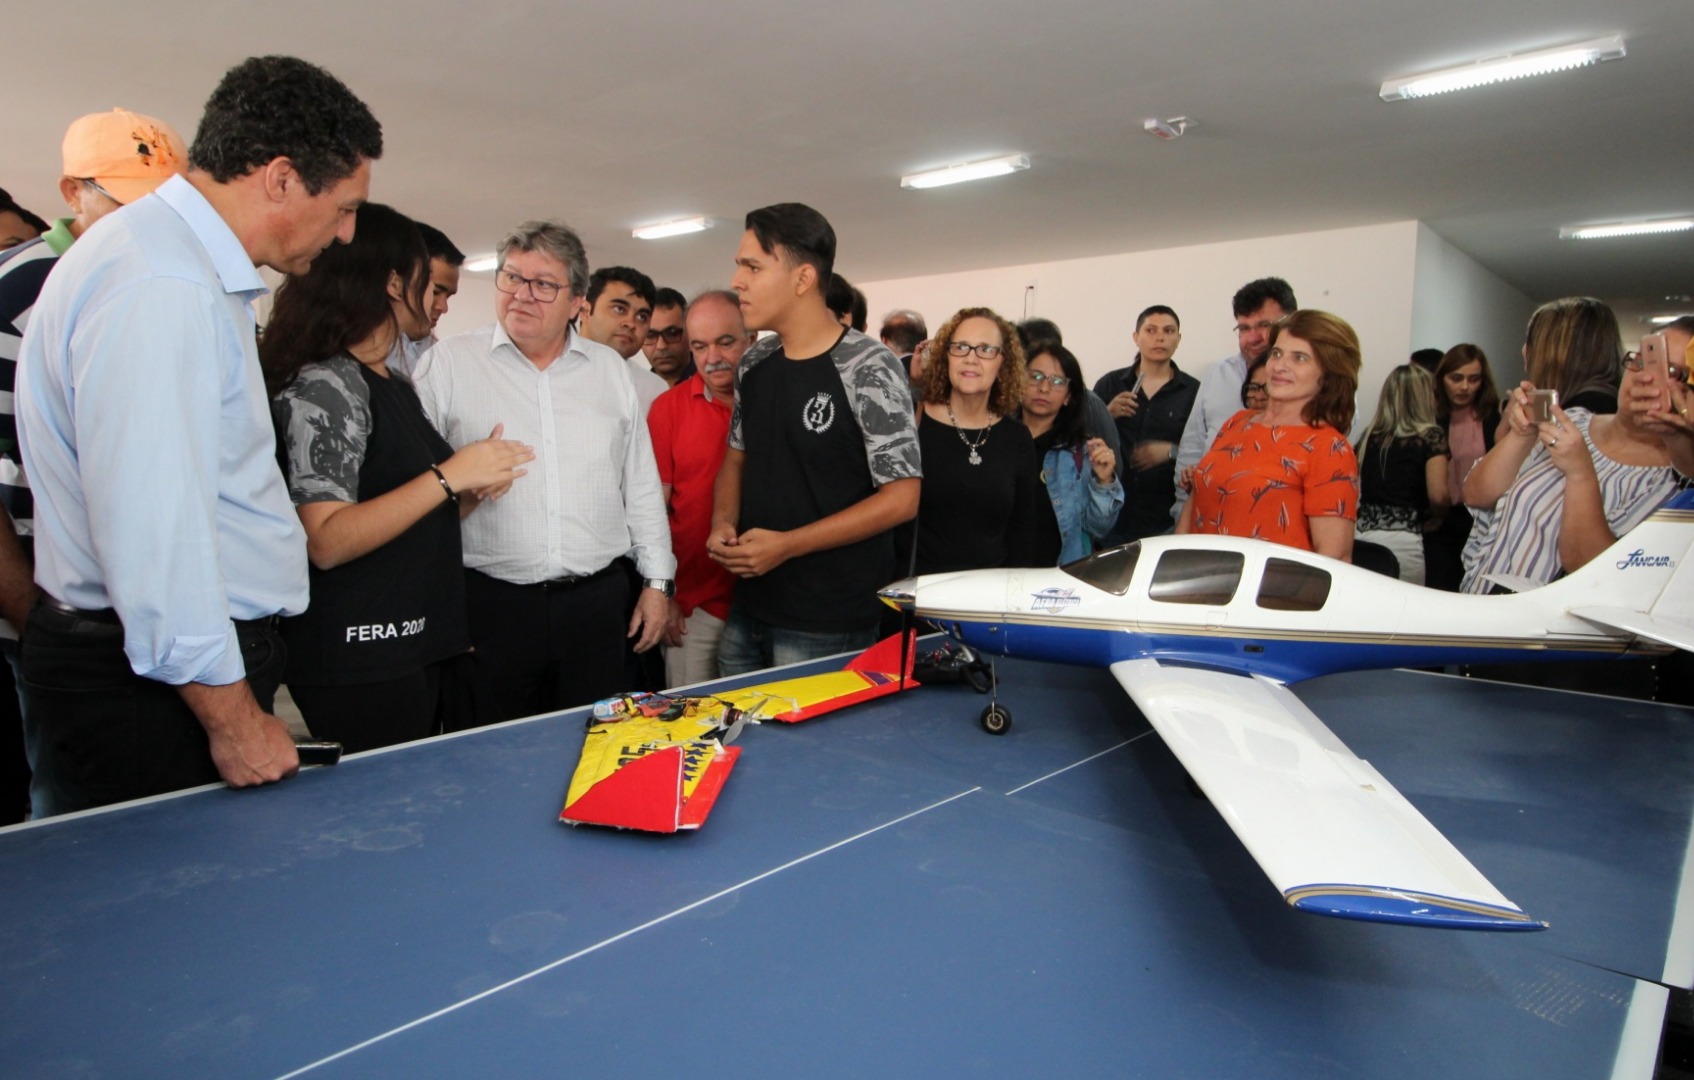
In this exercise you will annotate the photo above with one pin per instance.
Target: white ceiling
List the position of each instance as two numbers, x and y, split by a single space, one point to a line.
611 115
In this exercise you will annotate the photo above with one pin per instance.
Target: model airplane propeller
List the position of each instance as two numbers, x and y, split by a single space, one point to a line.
1204 633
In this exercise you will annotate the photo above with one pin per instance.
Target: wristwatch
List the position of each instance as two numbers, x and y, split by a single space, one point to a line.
664 585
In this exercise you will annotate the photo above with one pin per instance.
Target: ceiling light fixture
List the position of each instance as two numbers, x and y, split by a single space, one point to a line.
1625 228
478 263
1504 68
1662 320
968 170
1174 128
679 227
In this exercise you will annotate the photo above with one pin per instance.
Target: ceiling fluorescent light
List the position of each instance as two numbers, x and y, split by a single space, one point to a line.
969 170
680 227
1504 68
1664 320
1625 228
478 263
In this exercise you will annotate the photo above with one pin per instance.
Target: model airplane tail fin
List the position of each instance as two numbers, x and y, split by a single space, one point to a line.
1644 583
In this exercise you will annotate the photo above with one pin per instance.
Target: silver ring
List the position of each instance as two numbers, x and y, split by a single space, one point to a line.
1554 441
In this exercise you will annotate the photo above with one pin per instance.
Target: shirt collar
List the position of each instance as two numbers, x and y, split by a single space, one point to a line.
59 237
573 344
234 266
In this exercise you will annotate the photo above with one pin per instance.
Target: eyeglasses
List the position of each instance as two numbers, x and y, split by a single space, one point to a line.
1248 328
1057 382
1635 362
1253 388
544 291
95 184
672 334
965 348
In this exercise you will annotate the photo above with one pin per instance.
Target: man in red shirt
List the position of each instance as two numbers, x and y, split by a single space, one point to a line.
689 424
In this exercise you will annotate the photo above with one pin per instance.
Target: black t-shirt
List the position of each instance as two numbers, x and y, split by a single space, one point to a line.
1393 485
1149 494
820 435
991 514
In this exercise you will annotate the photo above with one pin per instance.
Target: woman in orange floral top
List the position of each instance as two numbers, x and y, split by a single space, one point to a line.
1287 473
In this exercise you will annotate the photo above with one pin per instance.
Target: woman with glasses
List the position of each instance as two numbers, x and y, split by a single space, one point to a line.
1253 394
1287 473
1402 469
1552 495
1467 406
1080 473
379 492
982 504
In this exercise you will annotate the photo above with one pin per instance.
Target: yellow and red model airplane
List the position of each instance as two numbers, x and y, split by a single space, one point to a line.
656 762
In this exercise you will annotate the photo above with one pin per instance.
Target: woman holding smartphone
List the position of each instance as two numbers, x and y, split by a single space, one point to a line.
1552 495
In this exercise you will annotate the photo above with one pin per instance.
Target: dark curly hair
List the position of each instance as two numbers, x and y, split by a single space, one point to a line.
268 107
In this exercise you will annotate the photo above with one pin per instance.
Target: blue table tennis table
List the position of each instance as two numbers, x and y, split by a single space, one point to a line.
887 891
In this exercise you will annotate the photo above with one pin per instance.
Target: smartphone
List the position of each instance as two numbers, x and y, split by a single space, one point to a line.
318 752
1541 405
1655 358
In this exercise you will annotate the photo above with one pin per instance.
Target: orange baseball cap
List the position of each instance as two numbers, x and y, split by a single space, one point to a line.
126 153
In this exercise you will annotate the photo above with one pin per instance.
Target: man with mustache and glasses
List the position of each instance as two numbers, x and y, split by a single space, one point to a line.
690 427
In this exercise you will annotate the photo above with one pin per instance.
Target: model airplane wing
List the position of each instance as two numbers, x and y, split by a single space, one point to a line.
1332 834
658 770
872 674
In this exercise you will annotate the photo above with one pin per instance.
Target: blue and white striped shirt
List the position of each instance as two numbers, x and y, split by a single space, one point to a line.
1520 535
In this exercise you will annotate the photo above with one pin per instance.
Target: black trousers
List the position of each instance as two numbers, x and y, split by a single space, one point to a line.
98 733
541 648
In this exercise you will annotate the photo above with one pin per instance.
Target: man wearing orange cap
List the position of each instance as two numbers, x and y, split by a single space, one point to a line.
166 545
110 159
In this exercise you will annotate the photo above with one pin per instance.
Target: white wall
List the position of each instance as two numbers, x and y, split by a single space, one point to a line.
1454 299
471 308
1365 275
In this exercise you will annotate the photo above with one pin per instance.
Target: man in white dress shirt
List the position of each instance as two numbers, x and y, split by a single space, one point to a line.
546 592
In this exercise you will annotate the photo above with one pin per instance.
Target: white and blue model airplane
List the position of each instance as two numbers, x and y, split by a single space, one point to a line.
1205 633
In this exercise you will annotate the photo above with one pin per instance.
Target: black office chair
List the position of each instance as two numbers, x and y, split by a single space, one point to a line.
1376 558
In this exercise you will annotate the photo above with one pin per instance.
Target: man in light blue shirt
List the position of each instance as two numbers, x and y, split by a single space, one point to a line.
166 544
1257 306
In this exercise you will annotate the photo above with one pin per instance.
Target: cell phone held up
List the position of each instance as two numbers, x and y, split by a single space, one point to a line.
1655 360
1541 406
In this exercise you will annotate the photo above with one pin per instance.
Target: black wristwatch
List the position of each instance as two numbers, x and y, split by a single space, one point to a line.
664 585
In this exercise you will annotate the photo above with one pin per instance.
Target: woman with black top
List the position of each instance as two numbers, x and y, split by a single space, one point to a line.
982 504
379 492
1402 469
1467 407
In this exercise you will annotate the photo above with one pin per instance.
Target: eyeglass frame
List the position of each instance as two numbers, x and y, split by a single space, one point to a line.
965 348
535 294
672 334
1057 382
1634 361
95 184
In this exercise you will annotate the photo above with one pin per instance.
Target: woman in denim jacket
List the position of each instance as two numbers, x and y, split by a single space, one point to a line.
1080 472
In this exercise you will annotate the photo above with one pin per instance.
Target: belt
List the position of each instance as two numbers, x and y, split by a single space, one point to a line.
571 581
110 617
101 615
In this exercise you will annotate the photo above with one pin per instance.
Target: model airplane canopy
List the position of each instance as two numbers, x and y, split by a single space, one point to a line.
1203 631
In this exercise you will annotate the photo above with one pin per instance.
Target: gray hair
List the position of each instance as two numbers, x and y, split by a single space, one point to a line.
553 238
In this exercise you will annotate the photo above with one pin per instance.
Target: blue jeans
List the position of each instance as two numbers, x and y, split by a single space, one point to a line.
749 644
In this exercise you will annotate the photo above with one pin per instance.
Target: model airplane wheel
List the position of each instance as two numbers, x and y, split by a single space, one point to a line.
996 719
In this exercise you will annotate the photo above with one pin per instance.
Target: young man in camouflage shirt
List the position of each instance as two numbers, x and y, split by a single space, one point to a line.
822 460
